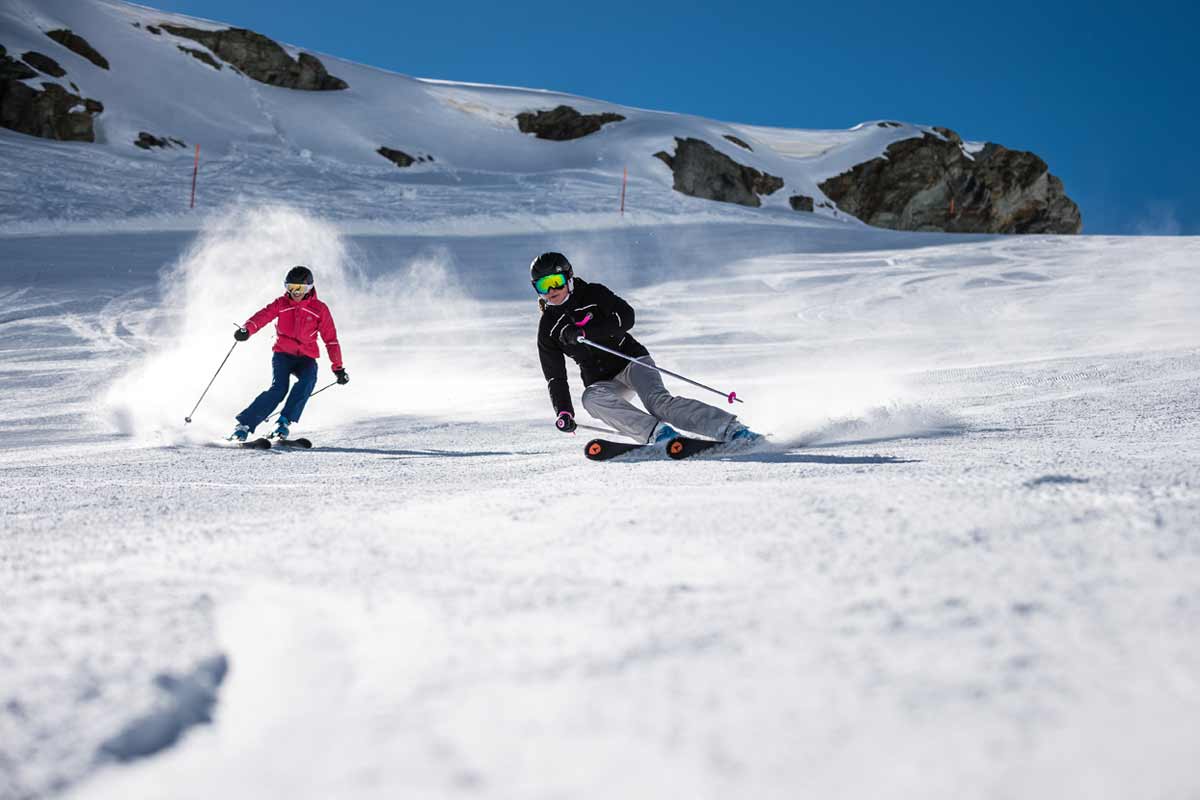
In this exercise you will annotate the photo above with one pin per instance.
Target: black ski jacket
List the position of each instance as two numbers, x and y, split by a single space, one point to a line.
611 320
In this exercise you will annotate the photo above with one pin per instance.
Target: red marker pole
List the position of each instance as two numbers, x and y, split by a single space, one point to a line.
195 170
624 178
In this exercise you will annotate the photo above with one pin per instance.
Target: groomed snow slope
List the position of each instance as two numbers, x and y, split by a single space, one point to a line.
967 568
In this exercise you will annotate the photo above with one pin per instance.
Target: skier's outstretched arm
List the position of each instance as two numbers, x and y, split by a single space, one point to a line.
554 368
261 318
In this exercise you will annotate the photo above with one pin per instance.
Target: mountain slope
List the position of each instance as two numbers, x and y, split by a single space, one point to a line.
256 139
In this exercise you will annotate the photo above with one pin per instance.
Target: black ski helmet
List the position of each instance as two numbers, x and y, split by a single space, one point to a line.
551 264
299 274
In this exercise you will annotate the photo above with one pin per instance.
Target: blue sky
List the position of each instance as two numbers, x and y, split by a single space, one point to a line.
1106 93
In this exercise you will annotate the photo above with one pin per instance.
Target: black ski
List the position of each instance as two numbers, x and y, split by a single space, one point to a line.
604 449
302 443
683 446
256 444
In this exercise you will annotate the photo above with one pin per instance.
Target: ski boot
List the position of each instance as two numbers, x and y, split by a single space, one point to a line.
281 428
662 434
240 433
743 436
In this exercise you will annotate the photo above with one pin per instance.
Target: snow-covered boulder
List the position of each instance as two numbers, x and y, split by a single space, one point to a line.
262 59
563 123
703 171
79 46
44 63
933 183
50 112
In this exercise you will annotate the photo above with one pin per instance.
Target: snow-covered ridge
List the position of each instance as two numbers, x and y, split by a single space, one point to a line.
261 136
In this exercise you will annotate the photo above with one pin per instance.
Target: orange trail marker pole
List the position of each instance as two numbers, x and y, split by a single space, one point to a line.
195 170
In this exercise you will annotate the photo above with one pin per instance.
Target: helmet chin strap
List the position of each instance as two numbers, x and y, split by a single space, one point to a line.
570 291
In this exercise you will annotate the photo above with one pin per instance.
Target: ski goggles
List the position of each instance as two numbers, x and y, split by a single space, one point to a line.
298 287
547 282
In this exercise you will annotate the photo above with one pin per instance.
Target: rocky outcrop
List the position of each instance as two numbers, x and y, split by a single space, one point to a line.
44 64
397 157
262 59
147 140
702 171
563 123
739 142
800 202
402 159
79 46
200 55
13 70
50 113
930 183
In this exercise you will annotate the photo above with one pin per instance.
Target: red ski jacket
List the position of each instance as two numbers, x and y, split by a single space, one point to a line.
298 323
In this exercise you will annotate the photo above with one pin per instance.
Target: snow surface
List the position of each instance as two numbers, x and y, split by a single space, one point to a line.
967 566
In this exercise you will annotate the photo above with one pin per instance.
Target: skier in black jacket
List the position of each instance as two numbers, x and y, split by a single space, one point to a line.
572 307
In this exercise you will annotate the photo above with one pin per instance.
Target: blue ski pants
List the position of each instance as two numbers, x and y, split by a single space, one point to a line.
283 367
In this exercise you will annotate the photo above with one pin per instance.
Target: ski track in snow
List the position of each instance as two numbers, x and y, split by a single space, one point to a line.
977 575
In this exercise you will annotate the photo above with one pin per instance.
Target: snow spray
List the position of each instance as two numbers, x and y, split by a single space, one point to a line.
407 332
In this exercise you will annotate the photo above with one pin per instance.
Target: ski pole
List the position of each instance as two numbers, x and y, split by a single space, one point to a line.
730 396
188 418
310 397
597 429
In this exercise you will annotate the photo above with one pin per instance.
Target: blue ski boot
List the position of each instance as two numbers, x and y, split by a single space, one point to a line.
281 428
743 436
662 434
240 433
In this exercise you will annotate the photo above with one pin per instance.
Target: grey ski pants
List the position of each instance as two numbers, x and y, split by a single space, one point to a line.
609 401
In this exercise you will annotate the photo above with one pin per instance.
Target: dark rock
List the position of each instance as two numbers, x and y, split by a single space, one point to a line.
563 123
396 157
44 64
13 70
930 184
702 171
889 124
200 55
262 59
154 30
739 142
79 46
800 202
147 140
50 113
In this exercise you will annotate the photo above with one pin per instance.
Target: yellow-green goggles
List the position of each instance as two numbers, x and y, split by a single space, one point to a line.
298 287
547 282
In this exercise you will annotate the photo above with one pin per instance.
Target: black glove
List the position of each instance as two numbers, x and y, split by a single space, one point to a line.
569 333
602 328
342 376
565 422
241 334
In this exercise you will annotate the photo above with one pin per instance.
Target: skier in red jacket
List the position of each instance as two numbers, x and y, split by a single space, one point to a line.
300 317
